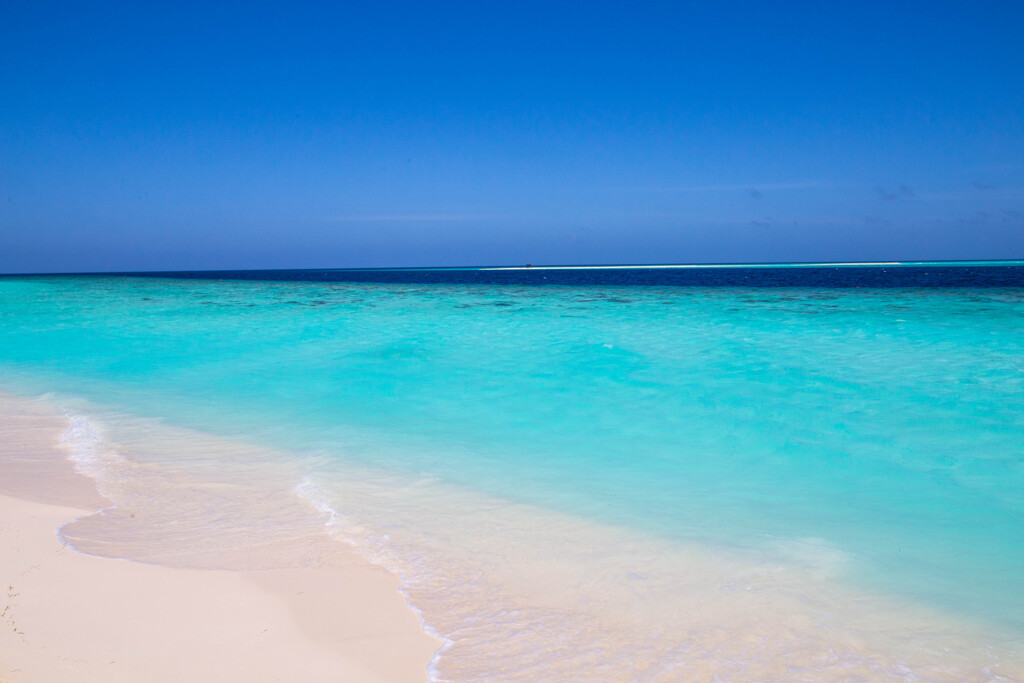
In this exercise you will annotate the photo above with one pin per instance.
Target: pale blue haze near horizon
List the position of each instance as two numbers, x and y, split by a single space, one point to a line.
339 135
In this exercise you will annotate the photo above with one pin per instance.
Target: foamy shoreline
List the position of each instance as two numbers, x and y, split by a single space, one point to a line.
348 572
330 615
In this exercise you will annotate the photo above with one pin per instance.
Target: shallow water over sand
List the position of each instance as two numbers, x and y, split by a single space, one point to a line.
641 482
515 591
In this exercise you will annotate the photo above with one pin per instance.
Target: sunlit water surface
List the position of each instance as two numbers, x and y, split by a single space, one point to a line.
633 483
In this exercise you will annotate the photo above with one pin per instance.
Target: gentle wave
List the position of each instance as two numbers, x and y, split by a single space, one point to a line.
516 592
91 455
520 593
374 548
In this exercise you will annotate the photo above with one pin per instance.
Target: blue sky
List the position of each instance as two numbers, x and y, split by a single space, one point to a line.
284 135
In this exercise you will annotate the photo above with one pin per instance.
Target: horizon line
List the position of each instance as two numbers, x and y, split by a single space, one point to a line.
614 266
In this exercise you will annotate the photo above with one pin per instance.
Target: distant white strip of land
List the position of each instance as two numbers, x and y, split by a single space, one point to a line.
702 265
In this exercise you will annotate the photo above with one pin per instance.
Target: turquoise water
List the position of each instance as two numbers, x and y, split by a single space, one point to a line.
886 426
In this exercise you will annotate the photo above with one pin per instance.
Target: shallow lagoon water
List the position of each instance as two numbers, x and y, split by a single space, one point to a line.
858 450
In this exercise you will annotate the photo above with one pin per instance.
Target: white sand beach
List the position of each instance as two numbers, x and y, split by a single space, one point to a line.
67 616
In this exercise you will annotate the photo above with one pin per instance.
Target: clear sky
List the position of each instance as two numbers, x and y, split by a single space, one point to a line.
255 135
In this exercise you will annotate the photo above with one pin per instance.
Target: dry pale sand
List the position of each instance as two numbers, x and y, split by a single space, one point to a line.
66 616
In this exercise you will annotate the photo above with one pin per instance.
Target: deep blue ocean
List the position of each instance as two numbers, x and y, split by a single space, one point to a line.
931 274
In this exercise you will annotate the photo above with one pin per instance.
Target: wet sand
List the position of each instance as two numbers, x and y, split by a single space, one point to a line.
67 616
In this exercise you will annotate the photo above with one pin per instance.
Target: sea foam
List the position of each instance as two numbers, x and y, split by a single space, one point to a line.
91 455
374 548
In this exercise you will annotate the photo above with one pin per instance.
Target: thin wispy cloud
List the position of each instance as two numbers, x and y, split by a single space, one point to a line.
410 218
901 192
749 188
998 168
990 193
977 218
